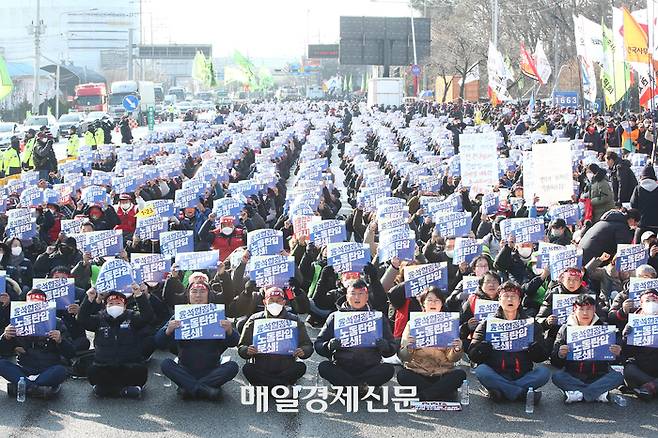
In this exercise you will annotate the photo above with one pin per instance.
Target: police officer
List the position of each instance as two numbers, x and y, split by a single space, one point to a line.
26 158
74 142
90 138
11 160
99 134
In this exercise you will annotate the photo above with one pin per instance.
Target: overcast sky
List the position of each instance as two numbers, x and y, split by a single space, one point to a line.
258 28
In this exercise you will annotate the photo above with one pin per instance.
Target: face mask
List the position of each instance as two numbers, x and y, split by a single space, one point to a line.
525 252
65 250
556 233
650 308
450 253
114 311
274 309
125 205
16 250
590 176
537 271
227 231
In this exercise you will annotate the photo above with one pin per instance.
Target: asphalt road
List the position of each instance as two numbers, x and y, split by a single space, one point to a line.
78 413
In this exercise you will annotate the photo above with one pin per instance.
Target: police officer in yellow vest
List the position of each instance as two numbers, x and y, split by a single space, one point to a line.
26 157
11 160
99 134
90 138
74 142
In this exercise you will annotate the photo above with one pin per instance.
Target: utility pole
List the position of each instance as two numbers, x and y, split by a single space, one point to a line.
36 29
130 54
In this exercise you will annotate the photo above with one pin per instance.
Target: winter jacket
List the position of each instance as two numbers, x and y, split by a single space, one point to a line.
40 352
200 356
646 358
584 370
600 193
509 364
645 199
605 235
427 361
355 359
127 220
273 363
623 181
117 340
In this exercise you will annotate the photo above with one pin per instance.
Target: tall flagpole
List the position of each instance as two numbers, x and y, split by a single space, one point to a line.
652 72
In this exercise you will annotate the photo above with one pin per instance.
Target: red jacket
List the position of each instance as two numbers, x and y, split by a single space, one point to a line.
53 232
128 220
227 244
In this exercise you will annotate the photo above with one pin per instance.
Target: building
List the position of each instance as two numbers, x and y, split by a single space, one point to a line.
85 33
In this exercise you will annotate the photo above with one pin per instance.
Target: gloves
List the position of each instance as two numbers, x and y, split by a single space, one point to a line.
292 281
370 270
333 344
382 345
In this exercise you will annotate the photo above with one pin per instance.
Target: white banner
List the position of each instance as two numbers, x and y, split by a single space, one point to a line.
547 173
478 160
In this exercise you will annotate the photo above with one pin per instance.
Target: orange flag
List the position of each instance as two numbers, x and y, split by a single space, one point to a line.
636 43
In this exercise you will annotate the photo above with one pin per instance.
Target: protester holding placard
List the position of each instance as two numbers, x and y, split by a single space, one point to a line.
63 253
515 259
267 369
509 374
623 304
198 371
479 266
39 356
357 365
118 368
431 369
487 295
14 262
126 213
228 237
608 278
584 379
641 347
200 222
570 282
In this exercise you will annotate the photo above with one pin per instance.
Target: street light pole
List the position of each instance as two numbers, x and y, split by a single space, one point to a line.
36 28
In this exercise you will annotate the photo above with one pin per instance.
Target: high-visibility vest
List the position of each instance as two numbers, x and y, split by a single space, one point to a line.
72 148
100 136
90 140
26 156
10 159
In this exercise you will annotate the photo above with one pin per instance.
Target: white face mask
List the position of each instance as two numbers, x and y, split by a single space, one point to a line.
125 205
650 308
525 252
274 309
114 311
590 176
537 271
227 231
450 253
16 250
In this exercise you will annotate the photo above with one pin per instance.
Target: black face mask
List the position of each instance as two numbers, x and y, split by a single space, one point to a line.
66 250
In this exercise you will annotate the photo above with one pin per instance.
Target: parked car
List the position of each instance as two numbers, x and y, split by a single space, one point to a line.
68 120
7 131
36 122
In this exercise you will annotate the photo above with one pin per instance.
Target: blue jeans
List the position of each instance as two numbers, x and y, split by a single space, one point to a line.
591 391
51 376
512 389
185 380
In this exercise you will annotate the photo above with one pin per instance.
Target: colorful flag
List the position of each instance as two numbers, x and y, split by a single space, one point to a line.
498 76
527 63
6 85
636 43
614 73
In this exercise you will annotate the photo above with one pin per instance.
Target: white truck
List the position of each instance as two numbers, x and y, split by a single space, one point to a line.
385 91
144 90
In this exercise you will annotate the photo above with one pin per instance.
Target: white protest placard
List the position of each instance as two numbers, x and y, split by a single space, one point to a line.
547 173
478 160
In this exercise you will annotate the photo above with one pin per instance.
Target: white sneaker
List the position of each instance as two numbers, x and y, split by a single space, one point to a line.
603 398
573 396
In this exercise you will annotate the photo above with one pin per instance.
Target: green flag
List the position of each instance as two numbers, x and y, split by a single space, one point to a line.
6 85
615 78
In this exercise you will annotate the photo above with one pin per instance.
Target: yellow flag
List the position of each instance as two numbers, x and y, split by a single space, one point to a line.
146 212
636 43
